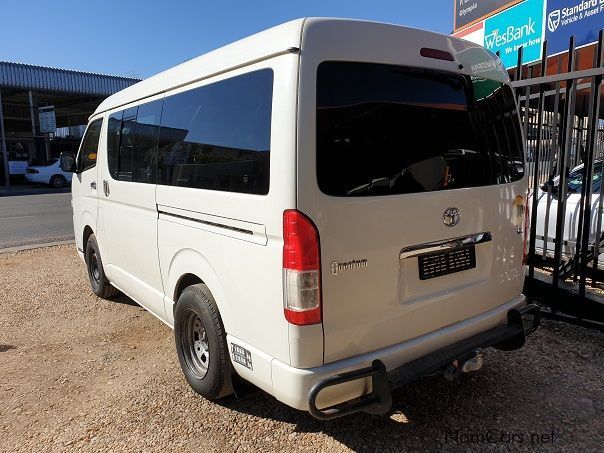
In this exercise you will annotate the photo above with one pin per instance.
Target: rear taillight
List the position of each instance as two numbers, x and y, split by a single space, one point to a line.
301 269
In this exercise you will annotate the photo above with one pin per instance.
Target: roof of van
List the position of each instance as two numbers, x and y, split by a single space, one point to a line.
278 40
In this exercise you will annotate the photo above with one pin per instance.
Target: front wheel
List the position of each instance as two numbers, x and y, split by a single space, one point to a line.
96 274
201 343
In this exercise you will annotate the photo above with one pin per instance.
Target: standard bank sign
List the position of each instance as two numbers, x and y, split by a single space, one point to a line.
519 26
582 18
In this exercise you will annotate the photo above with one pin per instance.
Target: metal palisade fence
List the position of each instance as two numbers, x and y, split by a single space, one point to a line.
562 116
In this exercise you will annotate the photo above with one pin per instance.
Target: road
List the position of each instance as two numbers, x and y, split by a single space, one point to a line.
35 219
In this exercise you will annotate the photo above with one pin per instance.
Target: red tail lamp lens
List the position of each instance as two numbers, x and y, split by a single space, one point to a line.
301 269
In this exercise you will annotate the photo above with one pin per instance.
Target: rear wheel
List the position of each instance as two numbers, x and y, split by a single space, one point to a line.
99 283
58 181
201 343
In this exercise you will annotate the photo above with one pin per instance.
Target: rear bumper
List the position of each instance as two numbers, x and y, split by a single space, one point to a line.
293 386
506 337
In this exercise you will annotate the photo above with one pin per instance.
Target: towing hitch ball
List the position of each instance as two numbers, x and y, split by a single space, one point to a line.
471 362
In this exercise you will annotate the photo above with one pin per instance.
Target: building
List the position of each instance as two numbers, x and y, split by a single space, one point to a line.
548 46
504 26
43 111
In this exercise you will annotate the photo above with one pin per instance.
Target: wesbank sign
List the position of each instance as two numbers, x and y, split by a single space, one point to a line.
521 25
496 39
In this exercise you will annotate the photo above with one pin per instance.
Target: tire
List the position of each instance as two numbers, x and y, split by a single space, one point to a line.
96 274
201 343
57 181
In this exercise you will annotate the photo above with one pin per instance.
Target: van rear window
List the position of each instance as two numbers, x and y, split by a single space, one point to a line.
384 130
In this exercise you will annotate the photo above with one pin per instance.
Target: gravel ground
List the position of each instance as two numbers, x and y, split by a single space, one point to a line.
82 373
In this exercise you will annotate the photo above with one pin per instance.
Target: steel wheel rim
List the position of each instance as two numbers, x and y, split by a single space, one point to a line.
195 346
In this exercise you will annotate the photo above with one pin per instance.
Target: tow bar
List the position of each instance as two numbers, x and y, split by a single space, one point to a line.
471 362
467 354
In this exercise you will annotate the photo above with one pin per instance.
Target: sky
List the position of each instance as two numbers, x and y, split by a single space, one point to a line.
142 38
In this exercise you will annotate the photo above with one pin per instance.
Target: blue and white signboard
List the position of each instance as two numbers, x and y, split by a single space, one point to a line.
582 18
521 25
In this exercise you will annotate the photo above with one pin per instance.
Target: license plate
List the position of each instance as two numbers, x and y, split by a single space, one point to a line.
442 263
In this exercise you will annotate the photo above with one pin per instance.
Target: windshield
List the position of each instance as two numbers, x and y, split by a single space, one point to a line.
384 129
575 179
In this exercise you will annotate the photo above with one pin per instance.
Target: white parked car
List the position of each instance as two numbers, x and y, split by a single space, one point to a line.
548 217
328 209
51 174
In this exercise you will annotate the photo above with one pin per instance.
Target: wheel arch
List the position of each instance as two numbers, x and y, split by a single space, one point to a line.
189 267
85 235
184 282
89 227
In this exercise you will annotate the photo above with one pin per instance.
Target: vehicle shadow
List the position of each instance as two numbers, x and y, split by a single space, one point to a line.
425 415
124 300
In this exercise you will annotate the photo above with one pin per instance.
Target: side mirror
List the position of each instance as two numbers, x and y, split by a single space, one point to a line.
67 162
551 187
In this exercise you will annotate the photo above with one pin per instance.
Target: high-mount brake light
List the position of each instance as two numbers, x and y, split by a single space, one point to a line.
301 269
436 54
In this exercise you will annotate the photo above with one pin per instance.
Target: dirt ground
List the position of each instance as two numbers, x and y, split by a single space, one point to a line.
82 373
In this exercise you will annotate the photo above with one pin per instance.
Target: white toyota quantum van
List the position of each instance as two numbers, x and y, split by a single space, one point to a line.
328 209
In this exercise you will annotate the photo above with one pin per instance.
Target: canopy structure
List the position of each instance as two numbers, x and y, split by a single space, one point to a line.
44 110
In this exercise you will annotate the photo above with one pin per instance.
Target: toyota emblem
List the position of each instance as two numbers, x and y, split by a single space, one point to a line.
451 217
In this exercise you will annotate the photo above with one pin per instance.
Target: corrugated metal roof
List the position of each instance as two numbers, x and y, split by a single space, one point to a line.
20 75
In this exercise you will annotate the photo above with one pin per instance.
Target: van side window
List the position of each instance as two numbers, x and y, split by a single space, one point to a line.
217 136
90 146
124 170
132 143
146 136
114 129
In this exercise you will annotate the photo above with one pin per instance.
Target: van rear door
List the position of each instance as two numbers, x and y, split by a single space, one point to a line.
417 177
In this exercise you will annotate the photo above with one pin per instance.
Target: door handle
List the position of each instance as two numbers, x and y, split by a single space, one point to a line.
106 188
93 185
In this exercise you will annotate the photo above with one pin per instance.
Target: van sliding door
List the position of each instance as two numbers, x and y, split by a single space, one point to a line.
127 203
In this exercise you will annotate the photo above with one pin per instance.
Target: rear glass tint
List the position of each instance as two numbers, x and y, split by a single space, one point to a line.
384 130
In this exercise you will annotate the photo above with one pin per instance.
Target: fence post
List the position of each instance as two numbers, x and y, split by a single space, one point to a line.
536 163
592 133
563 163
587 176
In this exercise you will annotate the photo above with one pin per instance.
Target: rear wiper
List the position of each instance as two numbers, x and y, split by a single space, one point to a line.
377 182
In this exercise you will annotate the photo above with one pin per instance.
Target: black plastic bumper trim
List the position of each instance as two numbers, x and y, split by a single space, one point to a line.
504 337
